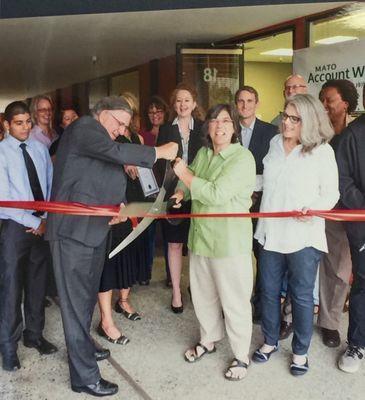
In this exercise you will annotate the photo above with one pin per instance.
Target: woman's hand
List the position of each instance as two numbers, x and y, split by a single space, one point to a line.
178 196
131 171
182 172
180 167
304 218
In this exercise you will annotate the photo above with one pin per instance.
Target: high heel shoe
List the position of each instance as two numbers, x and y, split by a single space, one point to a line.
177 310
120 340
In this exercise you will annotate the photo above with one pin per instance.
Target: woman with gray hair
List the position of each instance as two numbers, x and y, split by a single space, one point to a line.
300 173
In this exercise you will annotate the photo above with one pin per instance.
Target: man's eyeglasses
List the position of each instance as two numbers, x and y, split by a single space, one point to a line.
225 122
121 125
292 118
294 87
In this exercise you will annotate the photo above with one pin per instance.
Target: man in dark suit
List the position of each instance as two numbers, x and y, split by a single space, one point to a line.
350 157
255 136
89 170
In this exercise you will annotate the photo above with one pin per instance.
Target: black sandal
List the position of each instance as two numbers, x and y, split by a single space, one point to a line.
195 357
120 310
120 340
236 363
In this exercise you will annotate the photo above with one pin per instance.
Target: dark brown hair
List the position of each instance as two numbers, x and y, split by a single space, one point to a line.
213 113
249 89
347 91
160 104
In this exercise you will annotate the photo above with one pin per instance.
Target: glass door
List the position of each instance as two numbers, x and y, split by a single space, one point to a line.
216 72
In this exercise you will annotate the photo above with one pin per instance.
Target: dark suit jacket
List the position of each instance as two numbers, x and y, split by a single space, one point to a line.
170 133
89 170
262 133
350 155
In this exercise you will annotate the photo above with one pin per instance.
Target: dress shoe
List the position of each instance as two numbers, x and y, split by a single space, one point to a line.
10 361
101 354
41 344
286 328
99 389
177 310
120 340
330 337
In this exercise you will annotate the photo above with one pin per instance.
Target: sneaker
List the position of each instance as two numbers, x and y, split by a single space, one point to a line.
350 360
299 369
261 357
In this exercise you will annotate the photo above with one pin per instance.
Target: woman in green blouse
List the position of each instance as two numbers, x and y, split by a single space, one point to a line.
221 179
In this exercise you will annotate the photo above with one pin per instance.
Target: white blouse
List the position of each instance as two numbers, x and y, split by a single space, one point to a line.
291 182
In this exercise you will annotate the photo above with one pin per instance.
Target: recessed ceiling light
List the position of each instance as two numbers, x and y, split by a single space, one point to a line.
278 52
336 39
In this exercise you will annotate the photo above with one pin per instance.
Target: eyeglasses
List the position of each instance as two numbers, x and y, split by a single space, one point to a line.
294 87
152 113
292 118
44 110
121 125
225 122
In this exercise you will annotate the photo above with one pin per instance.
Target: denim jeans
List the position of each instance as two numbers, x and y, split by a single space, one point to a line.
301 268
356 331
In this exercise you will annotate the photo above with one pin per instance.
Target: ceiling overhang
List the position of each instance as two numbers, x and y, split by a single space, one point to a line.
36 8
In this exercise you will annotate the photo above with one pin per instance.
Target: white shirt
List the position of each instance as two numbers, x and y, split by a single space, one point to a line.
184 142
246 134
292 182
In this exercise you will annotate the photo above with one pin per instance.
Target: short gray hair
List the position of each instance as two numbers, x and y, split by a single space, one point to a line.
316 126
111 103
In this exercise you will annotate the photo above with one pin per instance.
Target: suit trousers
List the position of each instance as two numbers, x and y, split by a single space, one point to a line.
334 276
78 270
23 267
223 283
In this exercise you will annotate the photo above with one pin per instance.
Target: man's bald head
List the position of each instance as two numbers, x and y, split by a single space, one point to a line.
294 84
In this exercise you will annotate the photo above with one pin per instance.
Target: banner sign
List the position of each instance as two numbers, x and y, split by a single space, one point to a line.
336 61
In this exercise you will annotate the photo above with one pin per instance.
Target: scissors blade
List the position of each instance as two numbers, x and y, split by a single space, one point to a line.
158 207
136 210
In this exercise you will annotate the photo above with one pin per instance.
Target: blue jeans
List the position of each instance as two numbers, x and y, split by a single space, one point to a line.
301 268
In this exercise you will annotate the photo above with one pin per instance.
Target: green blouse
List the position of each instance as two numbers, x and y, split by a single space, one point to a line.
222 183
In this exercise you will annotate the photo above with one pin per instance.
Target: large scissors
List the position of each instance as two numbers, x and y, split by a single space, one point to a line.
158 207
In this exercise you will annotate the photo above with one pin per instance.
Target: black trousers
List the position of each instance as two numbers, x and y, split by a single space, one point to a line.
256 248
78 270
23 267
356 331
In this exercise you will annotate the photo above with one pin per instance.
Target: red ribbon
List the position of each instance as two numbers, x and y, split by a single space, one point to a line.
111 211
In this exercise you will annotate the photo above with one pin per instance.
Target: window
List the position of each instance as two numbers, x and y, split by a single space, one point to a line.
267 63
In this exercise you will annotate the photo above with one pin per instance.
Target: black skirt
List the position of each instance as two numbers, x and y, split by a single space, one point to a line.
128 266
178 233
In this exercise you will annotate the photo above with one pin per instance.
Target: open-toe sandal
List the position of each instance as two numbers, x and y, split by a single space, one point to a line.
236 363
193 355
